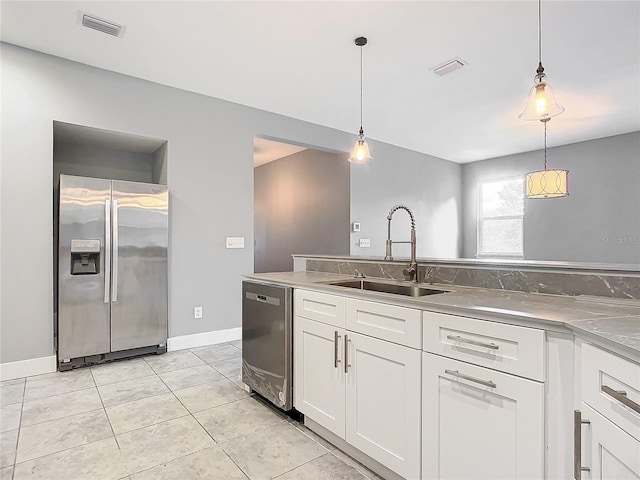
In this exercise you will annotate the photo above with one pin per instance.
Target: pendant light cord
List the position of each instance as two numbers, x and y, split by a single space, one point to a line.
539 31
361 67
545 145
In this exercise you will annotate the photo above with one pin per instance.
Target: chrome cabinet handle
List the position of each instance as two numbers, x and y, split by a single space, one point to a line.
621 396
114 275
335 349
486 383
107 248
577 445
346 354
460 339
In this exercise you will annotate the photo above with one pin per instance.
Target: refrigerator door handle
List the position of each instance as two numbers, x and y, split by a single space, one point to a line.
114 272
107 248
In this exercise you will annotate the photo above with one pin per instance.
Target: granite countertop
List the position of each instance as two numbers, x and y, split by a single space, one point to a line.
612 323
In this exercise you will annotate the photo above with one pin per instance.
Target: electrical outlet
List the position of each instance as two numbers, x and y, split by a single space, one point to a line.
197 312
365 242
235 242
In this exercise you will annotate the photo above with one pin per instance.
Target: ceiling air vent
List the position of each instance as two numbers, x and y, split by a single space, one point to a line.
448 67
101 25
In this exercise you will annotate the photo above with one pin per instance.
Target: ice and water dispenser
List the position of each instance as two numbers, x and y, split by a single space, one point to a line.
85 257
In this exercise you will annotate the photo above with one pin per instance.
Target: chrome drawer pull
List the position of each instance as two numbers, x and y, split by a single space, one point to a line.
621 397
460 339
486 383
335 349
577 445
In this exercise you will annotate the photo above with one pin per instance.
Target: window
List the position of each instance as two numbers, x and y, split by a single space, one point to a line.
500 211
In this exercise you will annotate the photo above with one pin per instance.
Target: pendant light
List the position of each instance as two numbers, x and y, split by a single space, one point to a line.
360 153
541 103
547 183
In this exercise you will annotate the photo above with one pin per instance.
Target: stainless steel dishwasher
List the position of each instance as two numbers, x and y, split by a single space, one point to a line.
267 344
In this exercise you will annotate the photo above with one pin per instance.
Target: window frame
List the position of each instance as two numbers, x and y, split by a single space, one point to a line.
480 219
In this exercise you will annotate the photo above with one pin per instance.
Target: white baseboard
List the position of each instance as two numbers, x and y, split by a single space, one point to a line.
27 368
202 339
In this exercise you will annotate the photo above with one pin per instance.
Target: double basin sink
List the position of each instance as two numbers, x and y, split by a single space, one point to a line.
406 290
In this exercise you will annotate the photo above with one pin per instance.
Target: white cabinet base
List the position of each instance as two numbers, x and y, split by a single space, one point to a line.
364 459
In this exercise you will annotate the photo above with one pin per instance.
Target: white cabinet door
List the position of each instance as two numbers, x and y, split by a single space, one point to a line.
610 453
383 402
480 424
319 386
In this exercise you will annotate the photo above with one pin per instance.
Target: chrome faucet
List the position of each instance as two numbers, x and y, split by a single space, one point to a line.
412 271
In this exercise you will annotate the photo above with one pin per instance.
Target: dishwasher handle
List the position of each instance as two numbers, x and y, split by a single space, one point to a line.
258 297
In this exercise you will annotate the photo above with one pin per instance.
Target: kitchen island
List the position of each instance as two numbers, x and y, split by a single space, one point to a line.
406 384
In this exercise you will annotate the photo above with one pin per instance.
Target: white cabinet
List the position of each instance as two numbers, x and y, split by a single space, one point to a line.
478 423
608 452
319 378
363 389
383 402
607 422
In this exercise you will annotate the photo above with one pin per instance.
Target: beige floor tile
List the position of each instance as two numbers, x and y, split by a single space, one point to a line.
57 435
57 383
236 419
173 361
100 460
355 464
6 473
207 464
11 394
327 467
10 417
272 451
8 441
121 371
217 353
209 395
142 413
230 367
188 377
39 410
124 392
150 446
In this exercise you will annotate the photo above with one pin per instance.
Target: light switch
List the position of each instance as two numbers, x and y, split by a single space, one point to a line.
235 242
365 242
355 226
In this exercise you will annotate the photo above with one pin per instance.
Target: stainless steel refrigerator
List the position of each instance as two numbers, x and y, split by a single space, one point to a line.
112 270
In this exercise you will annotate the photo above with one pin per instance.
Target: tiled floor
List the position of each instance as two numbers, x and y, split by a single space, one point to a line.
181 415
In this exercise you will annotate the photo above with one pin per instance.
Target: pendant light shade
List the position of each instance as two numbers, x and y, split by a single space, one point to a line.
541 103
360 153
547 183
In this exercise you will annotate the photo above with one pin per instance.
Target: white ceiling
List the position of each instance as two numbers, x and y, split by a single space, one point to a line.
298 59
265 151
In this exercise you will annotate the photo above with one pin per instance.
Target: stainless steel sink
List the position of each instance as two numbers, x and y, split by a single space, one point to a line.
407 290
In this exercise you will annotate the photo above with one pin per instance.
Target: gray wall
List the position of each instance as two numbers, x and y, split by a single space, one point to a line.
209 172
99 162
429 186
301 204
600 219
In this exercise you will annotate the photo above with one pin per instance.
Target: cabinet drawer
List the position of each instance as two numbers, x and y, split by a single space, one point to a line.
388 322
321 307
507 348
604 376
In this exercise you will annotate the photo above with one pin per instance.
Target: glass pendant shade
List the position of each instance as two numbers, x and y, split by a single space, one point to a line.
547 184
360 153
541 103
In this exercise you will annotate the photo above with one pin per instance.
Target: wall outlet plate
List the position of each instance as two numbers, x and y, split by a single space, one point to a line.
197 312
235 242
365 242
355 226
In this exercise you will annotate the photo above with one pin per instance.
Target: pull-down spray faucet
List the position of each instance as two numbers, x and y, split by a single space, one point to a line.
412 271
